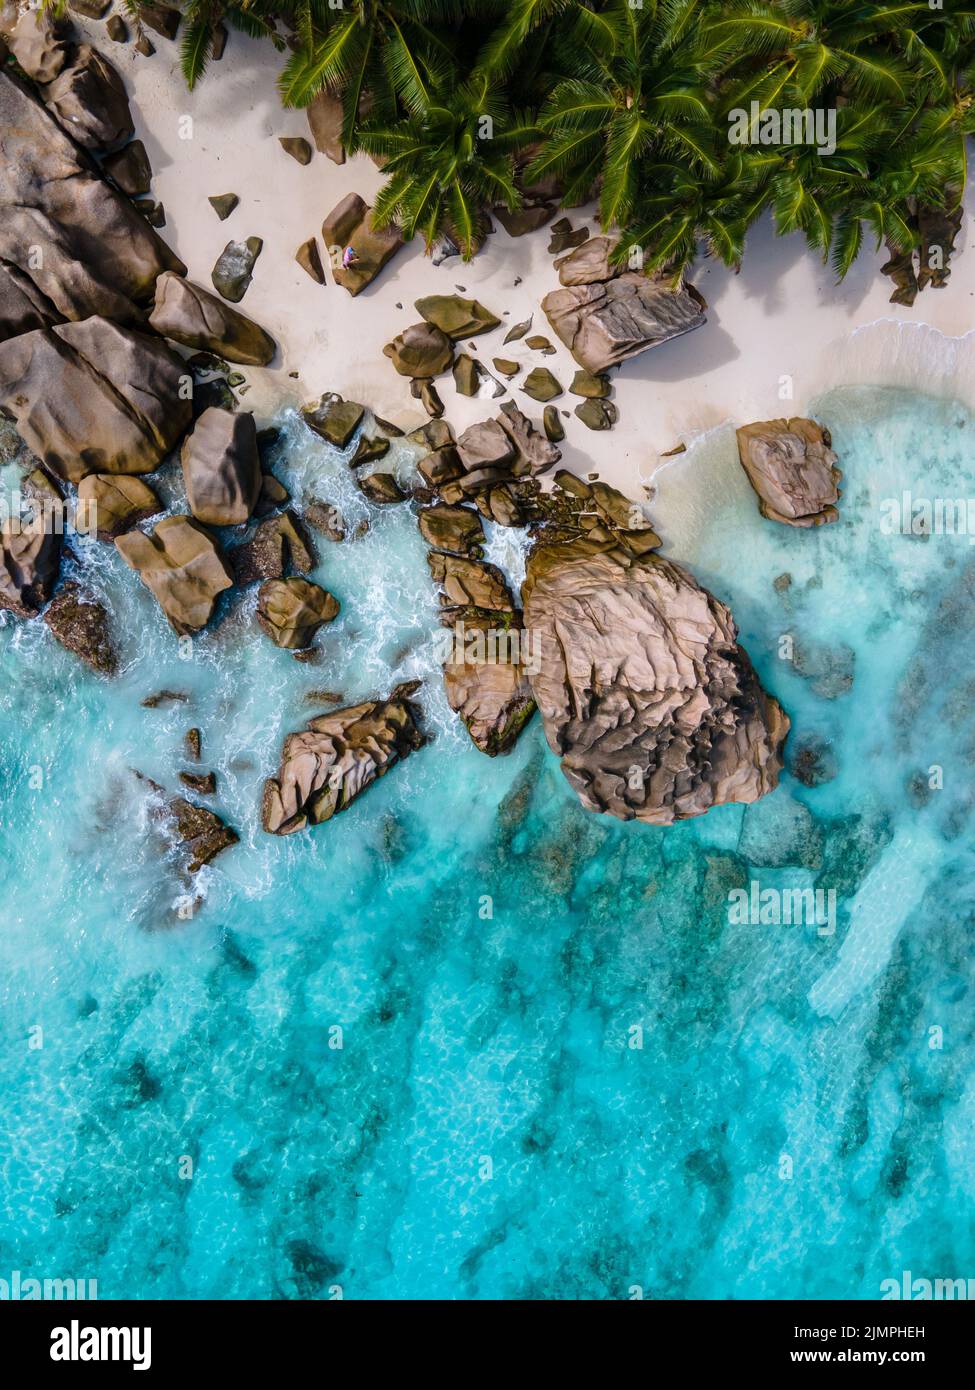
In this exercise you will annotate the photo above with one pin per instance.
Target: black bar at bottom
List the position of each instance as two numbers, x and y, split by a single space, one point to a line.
167 1339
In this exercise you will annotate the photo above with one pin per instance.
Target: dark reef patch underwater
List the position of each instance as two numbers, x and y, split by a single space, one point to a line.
468 1040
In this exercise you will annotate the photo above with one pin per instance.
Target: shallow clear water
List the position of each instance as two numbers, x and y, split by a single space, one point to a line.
493 955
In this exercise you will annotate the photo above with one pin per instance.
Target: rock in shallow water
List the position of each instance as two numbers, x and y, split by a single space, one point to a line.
792 468
112 503
325 767
184 568
80 624
653 707
30 556
291 611
221 468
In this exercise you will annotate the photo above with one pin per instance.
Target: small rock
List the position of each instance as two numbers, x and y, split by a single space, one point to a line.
541 385
165 697
538 343
130 168
436 434
380 488
297 147
369 451
519 330
506 366
598 415
201 832
467 375
162 19
277 544
812 761
327 519
204 783
116 30
421 350
310 261
291 611
223 204
593 385
458 318
430 399
154 213
554 430
335 419
193 742
145 46
234 269
457 529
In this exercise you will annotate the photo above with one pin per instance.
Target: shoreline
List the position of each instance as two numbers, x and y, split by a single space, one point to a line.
782 316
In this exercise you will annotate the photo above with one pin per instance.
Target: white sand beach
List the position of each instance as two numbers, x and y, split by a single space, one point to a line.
782 322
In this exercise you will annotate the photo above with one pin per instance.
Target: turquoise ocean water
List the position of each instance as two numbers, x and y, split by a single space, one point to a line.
799 1120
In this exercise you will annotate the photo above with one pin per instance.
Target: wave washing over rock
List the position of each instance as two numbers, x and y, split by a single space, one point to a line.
511 975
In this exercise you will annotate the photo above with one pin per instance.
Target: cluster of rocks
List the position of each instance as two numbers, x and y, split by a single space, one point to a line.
645 694
493 464
88 293
484 671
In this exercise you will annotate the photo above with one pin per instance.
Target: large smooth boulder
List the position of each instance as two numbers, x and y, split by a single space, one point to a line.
486 682
93 397
88 97
22 306
35 39
325 118
470 583
221 467
30 557
292 610
457 529
198 319
350 224
325 767
183 567
604 319
109 504
792 468
654 709
420 351
79 241
455 316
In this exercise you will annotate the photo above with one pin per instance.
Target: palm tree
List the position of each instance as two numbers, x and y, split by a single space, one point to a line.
449 161
392 52
638 97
